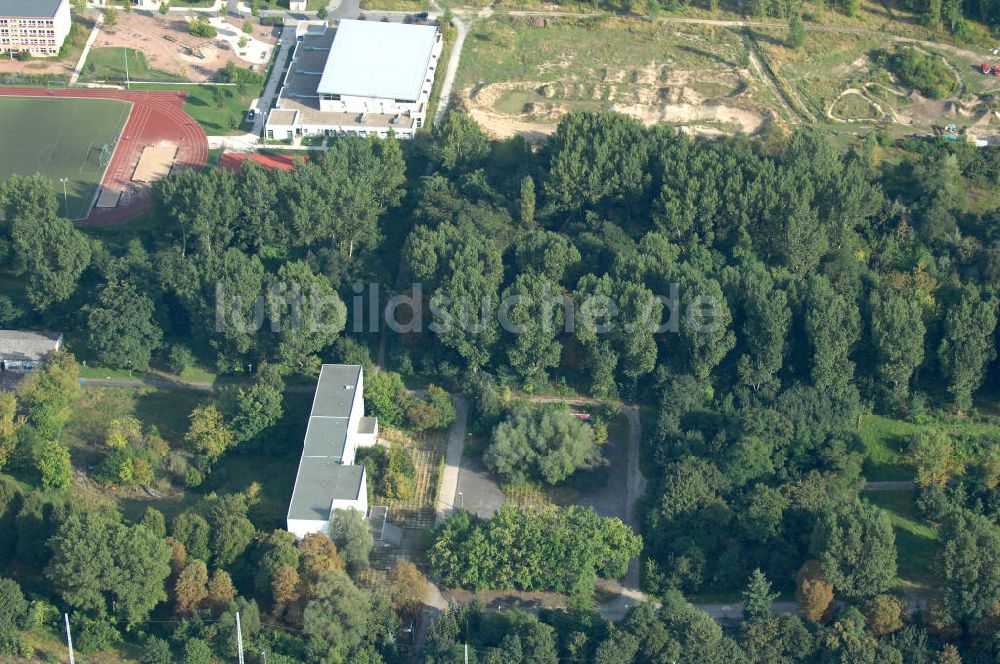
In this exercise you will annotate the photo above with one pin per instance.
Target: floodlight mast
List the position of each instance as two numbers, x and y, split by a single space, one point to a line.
239 637
69 639
65 195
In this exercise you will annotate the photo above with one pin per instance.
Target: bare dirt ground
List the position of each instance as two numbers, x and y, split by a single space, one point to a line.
152 35
36 66
652 102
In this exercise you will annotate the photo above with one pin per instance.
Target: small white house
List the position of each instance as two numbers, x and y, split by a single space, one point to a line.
37 26
327 478
21 352
297 5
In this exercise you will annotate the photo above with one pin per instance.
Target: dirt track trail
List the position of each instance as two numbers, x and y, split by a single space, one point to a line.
789 103
444 99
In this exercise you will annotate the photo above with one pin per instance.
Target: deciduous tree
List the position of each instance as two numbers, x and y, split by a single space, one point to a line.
898 336
545 442
966 564
122 331
208 433
407 586
103 567
856 547
335 618
967 346
349 531
191 588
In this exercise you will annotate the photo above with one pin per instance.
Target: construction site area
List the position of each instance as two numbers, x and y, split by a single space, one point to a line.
520 73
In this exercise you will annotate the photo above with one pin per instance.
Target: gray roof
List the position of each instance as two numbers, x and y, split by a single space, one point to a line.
376 59
367 425
319 483
335 390
322 477
18 345
29 8
326 437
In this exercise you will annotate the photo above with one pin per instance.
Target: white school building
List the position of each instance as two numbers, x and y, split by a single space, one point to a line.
363 77
327 478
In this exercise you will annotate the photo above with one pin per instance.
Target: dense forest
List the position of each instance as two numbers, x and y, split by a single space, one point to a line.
835 284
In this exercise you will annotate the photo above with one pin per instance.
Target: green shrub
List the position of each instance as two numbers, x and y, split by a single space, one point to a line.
432 411
391 470
202 28
541 442
926 72
194 478
179 359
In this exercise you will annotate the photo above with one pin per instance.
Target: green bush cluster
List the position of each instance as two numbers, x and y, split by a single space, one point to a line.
926 72
559 549
390 469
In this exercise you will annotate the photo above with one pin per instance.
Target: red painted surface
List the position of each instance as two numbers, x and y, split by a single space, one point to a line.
233 161
156 116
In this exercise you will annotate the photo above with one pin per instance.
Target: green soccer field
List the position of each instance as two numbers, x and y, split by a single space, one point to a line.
61 138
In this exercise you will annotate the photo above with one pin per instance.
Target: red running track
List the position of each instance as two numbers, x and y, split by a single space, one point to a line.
156 117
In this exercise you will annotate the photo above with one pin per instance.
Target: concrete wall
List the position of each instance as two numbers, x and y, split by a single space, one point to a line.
280 132
301 527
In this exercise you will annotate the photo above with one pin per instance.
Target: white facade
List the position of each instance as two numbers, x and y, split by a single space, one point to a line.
327 478
21 351
371 79
302 527
39 29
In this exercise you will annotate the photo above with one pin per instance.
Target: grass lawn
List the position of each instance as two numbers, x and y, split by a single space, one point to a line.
853 107
108 64
396 6
884 440
592 60
166 411
69 134
219 109
439 74
916 540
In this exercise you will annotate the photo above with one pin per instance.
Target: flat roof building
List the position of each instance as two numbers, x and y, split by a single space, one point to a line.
38 27
26 351
364 77
375 60
327 478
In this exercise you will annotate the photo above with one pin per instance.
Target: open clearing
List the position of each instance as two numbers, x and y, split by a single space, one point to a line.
60 138
520 74
167 44
603 488
916 540
838 78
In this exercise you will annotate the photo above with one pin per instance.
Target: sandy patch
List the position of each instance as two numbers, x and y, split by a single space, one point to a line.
253 52
676 105
166 42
